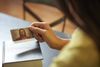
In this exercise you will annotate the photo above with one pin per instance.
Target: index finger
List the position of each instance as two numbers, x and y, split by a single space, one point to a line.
39 24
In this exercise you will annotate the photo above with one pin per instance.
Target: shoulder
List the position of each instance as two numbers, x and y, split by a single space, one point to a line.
80 38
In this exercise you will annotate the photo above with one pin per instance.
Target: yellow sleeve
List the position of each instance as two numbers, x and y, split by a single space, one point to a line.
64 62
78 53
76 58
68 58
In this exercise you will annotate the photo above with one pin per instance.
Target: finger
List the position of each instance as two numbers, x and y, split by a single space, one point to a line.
37 30
38 37
35 37
40 24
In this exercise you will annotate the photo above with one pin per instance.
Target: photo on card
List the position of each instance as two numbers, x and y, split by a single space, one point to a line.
21 34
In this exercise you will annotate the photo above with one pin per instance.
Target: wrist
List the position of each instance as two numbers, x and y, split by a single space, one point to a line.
60 42
55 41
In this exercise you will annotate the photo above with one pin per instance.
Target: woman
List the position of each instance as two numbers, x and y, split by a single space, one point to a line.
83 50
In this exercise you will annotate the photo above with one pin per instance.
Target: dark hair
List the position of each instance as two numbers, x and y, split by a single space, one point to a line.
88 12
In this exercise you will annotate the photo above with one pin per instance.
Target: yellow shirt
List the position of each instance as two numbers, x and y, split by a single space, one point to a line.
80 52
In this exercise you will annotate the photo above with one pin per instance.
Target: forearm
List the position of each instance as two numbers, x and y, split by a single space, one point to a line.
60 43
56 42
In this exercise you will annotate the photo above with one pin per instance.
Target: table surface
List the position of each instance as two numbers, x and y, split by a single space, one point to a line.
9 22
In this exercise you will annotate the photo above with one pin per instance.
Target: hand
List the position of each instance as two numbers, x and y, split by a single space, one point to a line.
42 32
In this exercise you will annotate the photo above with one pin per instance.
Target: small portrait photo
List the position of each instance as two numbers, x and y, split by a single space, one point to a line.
21 34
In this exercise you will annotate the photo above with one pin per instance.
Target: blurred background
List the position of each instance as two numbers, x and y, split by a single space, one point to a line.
38 10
